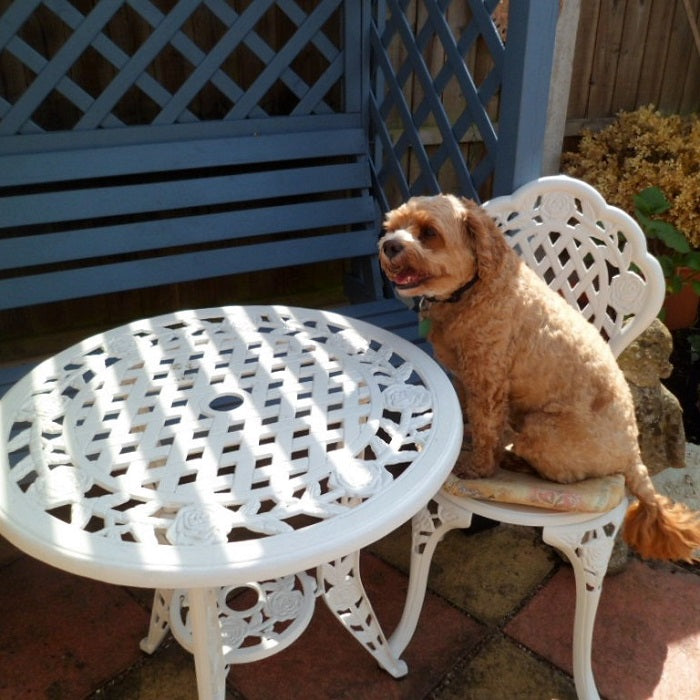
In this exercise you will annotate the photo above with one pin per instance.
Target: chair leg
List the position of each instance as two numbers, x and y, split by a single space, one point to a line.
588 547
428 527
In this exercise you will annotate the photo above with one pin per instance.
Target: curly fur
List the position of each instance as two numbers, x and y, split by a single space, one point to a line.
528 367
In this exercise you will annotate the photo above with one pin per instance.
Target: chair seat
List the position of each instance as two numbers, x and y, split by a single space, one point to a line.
595 495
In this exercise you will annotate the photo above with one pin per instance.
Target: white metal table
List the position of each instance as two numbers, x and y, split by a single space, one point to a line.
221 456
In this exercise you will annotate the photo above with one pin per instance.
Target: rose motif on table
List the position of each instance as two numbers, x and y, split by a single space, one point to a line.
289 326
53 450
343 596
558 206
121 346
129 345
627 290
60 486
134 348
360 478
407 397
235 329
348 342
201 525
234 631
283 605
46 407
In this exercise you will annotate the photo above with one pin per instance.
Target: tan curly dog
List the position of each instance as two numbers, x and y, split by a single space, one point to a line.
530 369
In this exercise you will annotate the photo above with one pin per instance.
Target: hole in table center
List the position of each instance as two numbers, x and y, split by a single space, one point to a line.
226 402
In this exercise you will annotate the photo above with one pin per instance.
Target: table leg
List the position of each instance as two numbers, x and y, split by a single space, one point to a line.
206 643
342 589
160 618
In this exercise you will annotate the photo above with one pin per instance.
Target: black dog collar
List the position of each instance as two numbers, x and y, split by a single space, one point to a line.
425 323
454 297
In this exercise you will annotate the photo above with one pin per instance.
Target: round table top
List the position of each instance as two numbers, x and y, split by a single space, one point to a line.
223 445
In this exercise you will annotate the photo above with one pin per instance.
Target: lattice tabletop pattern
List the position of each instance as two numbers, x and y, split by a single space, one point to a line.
227 447
220 426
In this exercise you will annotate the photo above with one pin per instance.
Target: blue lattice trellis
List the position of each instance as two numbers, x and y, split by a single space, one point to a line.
446 103
85 66
400 127
442 87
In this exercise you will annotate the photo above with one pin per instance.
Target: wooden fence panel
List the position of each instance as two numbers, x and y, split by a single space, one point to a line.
682 61
635 24
606 55
631 53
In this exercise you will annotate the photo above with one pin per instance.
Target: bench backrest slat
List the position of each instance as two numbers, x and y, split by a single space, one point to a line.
88 161
93 242
84 201
175 212
144 273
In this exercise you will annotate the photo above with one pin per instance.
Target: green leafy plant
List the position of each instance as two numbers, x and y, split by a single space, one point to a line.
679 261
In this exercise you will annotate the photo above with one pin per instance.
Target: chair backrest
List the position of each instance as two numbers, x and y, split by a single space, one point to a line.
593 254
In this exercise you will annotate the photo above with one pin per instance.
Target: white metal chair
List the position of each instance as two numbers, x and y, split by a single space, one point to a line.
595 256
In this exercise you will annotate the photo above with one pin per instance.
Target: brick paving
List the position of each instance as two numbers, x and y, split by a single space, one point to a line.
496 624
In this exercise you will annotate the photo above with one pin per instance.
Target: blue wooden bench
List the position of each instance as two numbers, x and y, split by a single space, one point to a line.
107 207
105 220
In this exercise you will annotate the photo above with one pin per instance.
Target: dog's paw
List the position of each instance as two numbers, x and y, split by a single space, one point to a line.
513 463
469 466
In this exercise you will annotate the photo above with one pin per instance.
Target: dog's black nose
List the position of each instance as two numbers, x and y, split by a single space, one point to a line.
392 248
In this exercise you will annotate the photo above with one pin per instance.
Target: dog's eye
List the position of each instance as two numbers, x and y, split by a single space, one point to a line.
428 234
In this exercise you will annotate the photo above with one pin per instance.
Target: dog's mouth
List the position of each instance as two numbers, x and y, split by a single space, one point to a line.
408 279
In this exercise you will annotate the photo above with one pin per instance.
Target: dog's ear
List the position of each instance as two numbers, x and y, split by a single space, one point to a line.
488 243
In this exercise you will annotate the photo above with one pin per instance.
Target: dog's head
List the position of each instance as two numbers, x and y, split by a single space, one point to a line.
433 246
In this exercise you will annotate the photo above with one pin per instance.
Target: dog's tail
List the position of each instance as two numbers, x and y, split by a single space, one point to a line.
655 526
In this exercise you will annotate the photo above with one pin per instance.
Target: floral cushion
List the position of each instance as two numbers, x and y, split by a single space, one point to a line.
597 495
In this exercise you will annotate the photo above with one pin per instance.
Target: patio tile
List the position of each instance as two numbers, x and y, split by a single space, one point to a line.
504 670
168 673
65 637
487 574
61 636
326 662
647 638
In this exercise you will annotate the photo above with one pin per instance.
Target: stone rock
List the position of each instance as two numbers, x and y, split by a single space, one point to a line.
646 359
659 414
682 485
619 557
